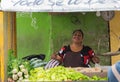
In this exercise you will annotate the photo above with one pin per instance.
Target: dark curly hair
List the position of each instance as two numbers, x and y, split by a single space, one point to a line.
79 31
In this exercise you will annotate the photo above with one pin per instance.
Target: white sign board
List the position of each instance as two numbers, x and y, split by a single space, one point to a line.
60 5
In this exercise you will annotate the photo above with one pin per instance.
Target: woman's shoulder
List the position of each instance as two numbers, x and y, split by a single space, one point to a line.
86 47
66 47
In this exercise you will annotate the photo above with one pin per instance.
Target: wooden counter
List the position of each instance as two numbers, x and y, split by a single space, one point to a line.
101 72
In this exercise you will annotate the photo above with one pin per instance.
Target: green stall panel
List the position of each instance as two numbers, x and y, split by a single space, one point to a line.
95 31
47 33
33 33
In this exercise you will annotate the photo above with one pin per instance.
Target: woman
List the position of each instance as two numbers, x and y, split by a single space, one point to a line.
75 54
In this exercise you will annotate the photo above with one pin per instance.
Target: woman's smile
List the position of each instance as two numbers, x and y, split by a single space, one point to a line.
77 37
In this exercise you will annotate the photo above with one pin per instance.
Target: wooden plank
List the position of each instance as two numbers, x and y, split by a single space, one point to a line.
115 35
98 71
9 40
1 46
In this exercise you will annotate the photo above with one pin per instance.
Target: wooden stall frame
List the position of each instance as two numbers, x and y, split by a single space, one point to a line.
115 36
1 43
9 30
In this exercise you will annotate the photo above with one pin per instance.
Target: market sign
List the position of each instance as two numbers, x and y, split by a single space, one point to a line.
60 5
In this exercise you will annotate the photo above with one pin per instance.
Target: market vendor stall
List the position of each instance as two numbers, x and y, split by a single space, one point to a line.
56 6
33 70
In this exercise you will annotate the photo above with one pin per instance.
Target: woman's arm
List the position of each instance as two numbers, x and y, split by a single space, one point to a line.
60 54
57 57
95 59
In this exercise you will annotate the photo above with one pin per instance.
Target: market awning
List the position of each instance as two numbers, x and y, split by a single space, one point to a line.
60 5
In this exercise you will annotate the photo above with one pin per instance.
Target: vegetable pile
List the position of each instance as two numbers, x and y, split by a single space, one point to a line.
17 69
35 62
59 73
33 70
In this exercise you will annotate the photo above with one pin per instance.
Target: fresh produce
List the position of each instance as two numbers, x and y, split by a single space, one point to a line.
20 72
59 73
32 70
33 59
35 62
17 69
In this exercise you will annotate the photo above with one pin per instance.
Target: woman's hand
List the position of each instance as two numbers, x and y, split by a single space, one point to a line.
53 56
56 56
95 59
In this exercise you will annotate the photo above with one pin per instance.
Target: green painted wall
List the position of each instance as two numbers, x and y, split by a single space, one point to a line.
45 33
95 30
33 31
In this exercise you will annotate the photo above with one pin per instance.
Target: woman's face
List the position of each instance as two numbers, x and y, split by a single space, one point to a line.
77 37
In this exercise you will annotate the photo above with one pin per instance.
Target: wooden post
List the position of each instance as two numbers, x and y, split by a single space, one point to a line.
9 29
1 46
115 36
